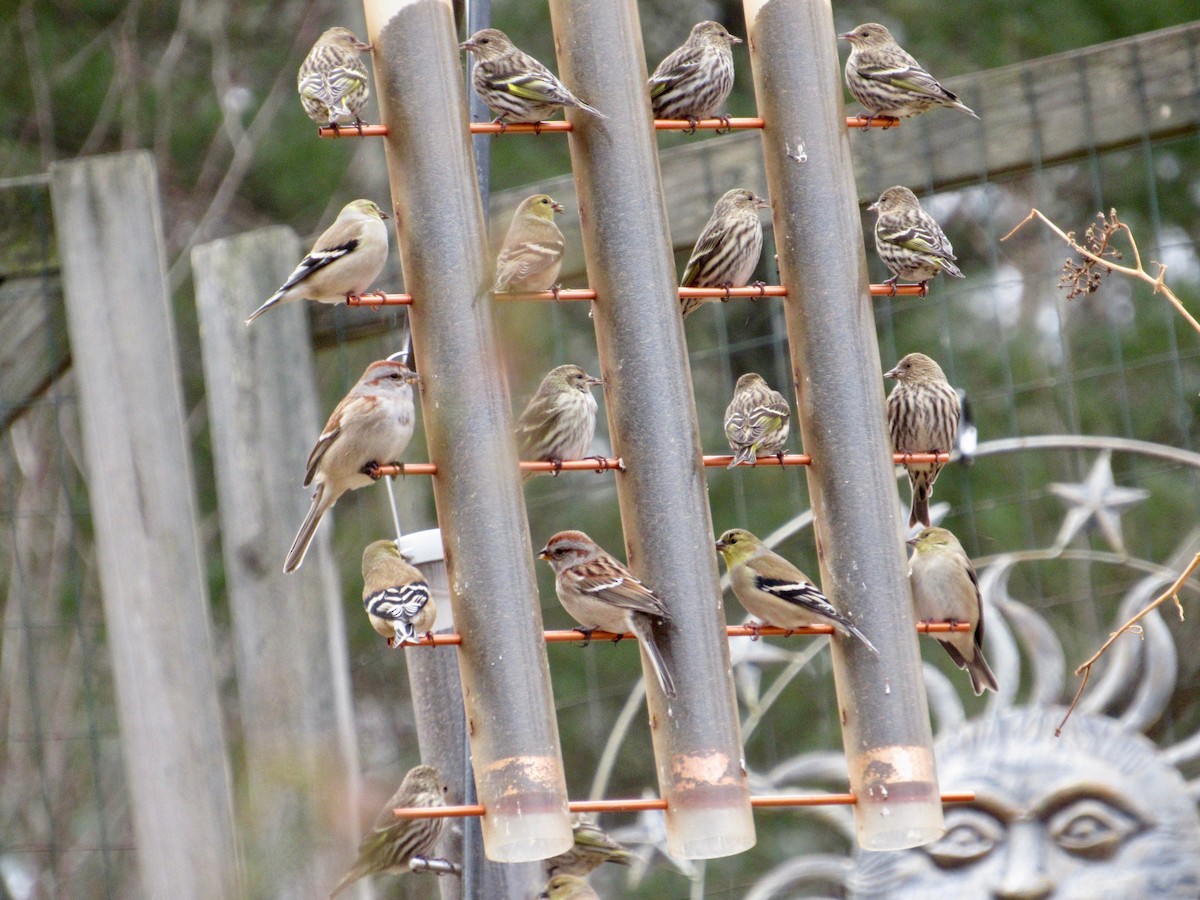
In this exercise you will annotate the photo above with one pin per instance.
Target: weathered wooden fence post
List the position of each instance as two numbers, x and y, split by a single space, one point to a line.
140 487
289 631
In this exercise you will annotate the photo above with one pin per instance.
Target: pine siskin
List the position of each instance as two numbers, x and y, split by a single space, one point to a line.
889 82
333 80
559 421
514 85
694 80
343 263
908 240
532 252
770 587
756 420
600 593
728 248
396 595
370 427
568 887
922 414
592 849
945 588
391 844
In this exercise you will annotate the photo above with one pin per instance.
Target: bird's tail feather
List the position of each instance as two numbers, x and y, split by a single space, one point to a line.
275 298
307 529
640 626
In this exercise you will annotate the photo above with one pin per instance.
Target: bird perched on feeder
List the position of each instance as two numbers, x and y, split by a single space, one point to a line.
600 593
333 80
345 260
396 595
946 588
889 82
391 844
514 85
908 240
727 251
756 420
592 849
694 80
568 887
559 421
922 415
774 590
369 428
532 253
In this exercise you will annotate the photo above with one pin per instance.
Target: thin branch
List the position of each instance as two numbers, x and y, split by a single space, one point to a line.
1086 277
1130 626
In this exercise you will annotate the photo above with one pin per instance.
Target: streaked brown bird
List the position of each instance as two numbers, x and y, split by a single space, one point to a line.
922 416
889 82
908 240
694 80
727 251
333 80
514 85
391 844
756 420
559 421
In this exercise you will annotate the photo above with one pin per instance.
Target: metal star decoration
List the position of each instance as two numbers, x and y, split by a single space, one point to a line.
1097 498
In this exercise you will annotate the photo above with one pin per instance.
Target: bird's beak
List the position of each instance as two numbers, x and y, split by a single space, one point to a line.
720 545
544 553
846 36
468 45
557 207
890 373
362 46
912 541
762 203
874 207
735 40
383 215
592 381
412 378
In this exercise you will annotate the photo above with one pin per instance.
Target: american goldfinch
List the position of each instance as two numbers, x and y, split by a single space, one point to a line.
344 261
568 887
532 252
395 595
559 421
922 416
945 588
908 240
728 248
889 82
694 80
770 587
600 593
592 849
370 427
391 844
514 85
756 420
333 80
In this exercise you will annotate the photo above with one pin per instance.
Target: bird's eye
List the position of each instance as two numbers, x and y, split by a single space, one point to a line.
484 40
395 376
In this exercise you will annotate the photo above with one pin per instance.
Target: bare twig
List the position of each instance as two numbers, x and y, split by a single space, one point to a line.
1130 626
1099 256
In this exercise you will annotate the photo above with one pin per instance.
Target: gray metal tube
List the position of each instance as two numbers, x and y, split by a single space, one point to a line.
442 735
652 417
839 392
468 427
